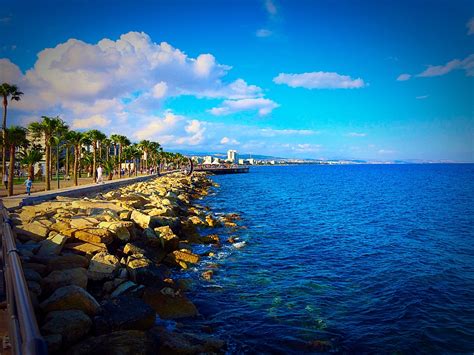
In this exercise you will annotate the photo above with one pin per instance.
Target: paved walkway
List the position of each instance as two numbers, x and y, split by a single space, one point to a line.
73 191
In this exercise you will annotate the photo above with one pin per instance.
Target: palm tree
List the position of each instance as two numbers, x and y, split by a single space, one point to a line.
115 139
7 90
96 137
16 137
124 142
76 139
30 158
47 129
145 146
106 144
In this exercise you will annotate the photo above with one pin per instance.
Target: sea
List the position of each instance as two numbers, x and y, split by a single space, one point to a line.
342 259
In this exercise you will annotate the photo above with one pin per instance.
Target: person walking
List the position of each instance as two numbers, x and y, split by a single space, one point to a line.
29 185
99 175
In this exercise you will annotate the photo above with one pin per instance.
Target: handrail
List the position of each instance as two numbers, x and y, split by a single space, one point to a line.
25 336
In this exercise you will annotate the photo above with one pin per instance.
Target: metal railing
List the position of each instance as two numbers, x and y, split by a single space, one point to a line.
25 337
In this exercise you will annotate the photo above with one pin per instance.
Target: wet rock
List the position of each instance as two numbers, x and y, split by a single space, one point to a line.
182 258
94 235
142 271
103 266
183 343
71 297
71 325
67 277
169 306
207 275
125 342
70 261
124 288
52 245
124 313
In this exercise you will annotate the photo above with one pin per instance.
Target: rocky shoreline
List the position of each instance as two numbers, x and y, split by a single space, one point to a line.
99 269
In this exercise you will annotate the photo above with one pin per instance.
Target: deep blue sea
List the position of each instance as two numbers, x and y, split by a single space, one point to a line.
356 258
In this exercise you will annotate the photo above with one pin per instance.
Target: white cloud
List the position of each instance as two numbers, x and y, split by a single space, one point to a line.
386 151
466 64
356 134
9 72
159 90
269 132
319 80
270 7
403 77
263 32
229 141
95 121
422 97
307 148
470 26
262 105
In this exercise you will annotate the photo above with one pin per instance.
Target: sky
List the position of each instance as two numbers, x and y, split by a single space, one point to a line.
370 80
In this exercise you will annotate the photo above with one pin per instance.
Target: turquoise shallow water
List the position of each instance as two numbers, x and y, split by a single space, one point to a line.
361 258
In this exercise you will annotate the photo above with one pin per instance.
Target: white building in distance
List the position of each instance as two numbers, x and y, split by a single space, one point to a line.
232 156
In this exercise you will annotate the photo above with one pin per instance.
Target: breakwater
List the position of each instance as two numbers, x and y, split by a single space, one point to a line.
100 269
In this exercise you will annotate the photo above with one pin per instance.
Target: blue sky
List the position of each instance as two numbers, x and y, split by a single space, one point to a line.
378 80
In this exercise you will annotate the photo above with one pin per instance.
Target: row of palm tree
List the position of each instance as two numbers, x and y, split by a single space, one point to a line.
58 141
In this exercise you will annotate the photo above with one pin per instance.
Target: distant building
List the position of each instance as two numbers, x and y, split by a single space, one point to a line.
231 156
207 160
251 161
241 161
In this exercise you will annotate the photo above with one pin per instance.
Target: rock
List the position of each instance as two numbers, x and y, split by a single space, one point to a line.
169 240
70 261
94 235
168 306
109 286
86 248
52 245
67 277
71 297
143 271
140 248
124 313
125 287
72 325
80 222
183 343
207 275
32 275
125 215
125 342
60 226
144 220
119 228
34 287
39 268
103 266
54 342
210 239
34 230
183 255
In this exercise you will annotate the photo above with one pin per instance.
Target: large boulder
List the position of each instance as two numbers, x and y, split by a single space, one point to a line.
60 278
52 245
103 266
72 325
144 220
35 231
69 261
169 305
124 342
80 222
94 235
143 271
85 248
118 228
168 240
140 248
71 297
124 313
182 258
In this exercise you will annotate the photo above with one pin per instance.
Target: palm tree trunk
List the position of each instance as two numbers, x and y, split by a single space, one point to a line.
50 163
66 168
12 167
120 161
94 153
48 167
76 163
31 172
4 135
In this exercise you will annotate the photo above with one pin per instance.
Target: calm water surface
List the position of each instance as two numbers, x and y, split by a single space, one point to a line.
361 258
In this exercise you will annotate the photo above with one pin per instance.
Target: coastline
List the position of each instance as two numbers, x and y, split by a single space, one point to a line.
100 269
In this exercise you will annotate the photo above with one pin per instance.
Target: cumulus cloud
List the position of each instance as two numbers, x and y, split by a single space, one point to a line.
319 80
422 97
403 77
356 134
229 141
470 26
466 64
262 105
94 121
9 72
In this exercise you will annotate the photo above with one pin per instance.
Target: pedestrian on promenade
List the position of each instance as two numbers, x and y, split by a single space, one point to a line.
29 185
99 175
5 180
